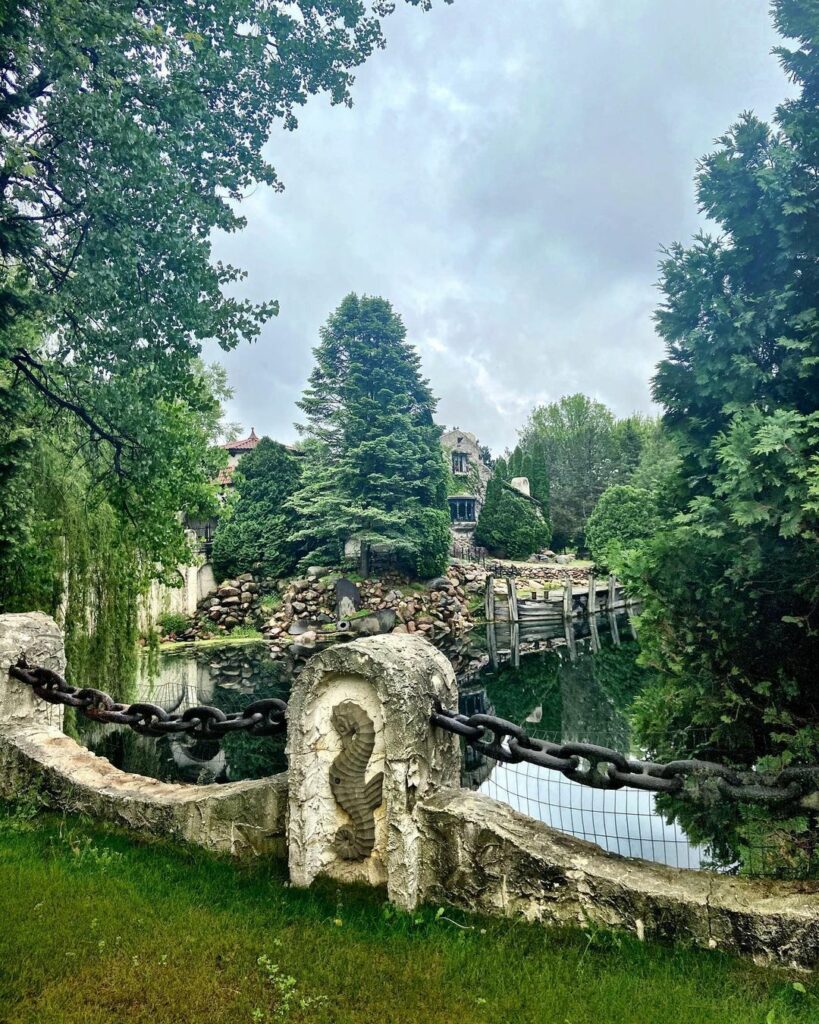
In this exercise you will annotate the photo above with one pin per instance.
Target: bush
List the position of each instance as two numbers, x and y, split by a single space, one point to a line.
622 518
510 524
173 622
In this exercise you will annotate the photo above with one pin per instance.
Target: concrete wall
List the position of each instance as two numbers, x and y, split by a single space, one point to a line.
431 841
197 582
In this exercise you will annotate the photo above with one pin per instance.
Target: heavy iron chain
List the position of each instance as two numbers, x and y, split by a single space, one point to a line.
511 744
261 718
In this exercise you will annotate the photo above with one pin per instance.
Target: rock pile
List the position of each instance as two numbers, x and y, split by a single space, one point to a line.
235 603
320 609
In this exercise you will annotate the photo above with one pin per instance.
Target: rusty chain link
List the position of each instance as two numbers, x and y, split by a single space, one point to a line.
506 742
261 718
581 762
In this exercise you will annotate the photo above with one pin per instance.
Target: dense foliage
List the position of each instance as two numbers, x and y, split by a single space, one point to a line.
732 591
623 517
130 132
256 525
510 524
575 448
373 469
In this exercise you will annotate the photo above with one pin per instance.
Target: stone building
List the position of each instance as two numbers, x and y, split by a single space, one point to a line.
470 475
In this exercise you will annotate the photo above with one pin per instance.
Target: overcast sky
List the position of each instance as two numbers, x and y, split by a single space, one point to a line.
506 177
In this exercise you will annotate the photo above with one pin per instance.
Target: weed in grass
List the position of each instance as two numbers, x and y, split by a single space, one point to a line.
287 997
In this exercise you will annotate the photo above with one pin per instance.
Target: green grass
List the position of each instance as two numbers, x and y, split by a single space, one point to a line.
223 640
98 927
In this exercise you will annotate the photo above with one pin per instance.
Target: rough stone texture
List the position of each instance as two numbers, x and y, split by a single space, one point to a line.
38 637
396 680
481 855
237 818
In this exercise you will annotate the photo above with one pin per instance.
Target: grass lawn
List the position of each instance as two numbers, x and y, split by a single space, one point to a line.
98 927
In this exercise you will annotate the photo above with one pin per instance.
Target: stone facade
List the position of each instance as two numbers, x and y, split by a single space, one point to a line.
470 475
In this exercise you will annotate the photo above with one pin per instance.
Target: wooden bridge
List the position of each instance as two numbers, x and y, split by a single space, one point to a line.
548 614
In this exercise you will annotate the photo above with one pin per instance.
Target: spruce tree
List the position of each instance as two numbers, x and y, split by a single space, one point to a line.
375 469
255 533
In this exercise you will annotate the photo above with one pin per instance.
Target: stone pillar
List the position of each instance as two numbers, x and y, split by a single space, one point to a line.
362 754
38 637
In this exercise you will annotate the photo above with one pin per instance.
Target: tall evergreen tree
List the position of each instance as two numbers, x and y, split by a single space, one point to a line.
731 593
375 468
255 533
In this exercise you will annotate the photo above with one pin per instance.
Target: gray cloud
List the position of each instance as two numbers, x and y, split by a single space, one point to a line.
506 178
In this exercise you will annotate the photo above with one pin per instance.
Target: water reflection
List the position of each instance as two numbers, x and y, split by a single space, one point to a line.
578 689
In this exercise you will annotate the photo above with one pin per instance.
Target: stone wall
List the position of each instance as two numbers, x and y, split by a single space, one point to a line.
391 812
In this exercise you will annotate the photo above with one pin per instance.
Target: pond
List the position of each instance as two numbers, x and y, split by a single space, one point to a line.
578 691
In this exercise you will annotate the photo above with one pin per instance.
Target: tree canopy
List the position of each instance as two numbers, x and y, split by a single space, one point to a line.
623 517
731 593
129 134
576 449
374 467
256 526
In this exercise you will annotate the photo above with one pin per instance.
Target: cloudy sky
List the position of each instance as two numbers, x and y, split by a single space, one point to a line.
505 178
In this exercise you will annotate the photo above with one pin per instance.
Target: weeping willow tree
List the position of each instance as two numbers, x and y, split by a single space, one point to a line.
68 548
78 562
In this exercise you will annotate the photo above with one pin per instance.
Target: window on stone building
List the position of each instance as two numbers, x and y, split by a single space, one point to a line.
462 510
460 462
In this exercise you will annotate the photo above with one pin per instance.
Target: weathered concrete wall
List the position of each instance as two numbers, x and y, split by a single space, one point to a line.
197 582
239 818
481 855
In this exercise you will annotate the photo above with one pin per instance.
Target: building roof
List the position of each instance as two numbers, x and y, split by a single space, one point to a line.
245 445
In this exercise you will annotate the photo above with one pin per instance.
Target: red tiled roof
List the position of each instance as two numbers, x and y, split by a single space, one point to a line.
225 478
245 445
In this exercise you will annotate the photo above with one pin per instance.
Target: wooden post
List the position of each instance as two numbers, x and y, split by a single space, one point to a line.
591 603
570 638
567 597
611 594
515 643
489 599
492 643
511 590
615 632
595 636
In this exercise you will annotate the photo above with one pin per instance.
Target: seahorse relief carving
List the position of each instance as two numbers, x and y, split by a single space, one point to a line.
347 774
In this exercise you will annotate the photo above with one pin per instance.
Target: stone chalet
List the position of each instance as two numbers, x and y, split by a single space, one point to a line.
470 475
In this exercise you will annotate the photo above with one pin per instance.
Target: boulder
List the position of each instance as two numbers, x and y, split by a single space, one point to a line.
317 571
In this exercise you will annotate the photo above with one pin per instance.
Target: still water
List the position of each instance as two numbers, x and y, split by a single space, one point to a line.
580 692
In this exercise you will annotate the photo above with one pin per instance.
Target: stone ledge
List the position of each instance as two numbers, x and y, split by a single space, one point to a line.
239 818
483 856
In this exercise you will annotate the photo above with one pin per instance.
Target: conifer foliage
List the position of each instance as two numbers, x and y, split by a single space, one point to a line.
374 468
510 524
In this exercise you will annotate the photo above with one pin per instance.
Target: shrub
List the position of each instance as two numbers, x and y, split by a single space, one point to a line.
173 622
623 517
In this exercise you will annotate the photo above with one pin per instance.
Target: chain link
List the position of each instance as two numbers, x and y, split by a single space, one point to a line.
261 718
605 768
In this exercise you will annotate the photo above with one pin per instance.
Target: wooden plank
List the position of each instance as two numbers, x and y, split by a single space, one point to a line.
612 592
591 604
515 645
568 626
